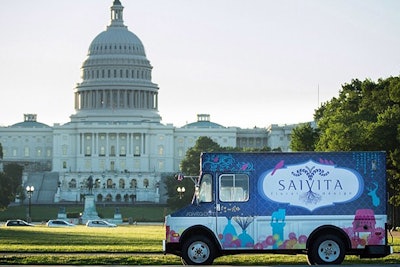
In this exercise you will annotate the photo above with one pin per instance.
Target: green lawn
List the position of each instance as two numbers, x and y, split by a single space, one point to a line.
71 242
79 239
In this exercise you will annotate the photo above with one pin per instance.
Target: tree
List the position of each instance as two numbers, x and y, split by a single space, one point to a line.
10 184
365 116
190 166
1 152
304 138
175 200
5 189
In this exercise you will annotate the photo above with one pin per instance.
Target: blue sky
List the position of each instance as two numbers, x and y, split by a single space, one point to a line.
246 63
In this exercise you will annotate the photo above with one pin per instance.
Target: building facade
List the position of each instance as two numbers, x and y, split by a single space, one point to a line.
115 138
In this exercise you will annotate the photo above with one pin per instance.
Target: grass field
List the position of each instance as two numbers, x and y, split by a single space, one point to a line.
88 246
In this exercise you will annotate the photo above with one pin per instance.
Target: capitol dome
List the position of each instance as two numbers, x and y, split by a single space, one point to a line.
116 77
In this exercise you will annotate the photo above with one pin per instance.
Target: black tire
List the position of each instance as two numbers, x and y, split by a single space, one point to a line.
198 250
326 249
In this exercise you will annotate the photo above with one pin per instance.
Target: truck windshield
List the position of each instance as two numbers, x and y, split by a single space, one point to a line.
205 194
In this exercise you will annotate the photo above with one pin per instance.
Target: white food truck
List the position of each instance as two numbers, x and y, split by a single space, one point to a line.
325 205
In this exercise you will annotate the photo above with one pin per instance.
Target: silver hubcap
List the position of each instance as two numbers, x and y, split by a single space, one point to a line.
329 251
198 252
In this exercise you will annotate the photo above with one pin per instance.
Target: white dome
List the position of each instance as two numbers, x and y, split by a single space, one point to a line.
116 77
116 40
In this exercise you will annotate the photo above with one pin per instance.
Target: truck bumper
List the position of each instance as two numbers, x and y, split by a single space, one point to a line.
171 248
373 251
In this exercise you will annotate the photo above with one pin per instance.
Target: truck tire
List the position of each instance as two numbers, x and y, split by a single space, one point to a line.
198 250
326 249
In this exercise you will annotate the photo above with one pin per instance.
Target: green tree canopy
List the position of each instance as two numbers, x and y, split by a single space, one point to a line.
190 166
10 184
365 116
1 151
304 138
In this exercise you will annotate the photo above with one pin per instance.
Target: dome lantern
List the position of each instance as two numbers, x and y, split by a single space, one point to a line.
117 14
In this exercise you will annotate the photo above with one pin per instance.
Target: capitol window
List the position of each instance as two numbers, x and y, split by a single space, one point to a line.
88 151
112 151
102 151
122 151
110 183
133 183
26 151
161 150
137 151
121 183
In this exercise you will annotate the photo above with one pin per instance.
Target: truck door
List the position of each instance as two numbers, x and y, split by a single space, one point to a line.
232 210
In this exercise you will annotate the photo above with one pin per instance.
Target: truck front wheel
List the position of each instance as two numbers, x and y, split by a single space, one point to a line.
198 250
326 249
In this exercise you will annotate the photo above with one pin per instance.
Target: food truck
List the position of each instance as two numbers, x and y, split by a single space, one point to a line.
322 204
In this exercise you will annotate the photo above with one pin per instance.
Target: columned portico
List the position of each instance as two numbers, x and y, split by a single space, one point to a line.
112 99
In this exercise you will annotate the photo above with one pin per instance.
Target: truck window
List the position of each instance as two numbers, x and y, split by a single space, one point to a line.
205 194
234 187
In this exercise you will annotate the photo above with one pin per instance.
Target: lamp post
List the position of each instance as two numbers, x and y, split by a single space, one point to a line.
181 191
29 191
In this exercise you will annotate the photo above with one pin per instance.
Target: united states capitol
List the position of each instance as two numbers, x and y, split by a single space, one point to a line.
115 135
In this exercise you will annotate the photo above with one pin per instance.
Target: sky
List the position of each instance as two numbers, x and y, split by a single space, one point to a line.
246 63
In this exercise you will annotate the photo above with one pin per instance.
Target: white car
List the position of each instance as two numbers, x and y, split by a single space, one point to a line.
17 222
59 223
100 223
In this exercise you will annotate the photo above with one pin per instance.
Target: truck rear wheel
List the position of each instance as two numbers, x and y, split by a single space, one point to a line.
326 249
198 250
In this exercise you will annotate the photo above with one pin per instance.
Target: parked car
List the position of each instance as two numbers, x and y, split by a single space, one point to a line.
59 223
100 223
18 222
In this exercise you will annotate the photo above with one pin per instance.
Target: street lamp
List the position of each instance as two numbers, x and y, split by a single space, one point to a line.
29 191
181 191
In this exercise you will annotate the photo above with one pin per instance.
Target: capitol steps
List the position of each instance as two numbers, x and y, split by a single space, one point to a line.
45 184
